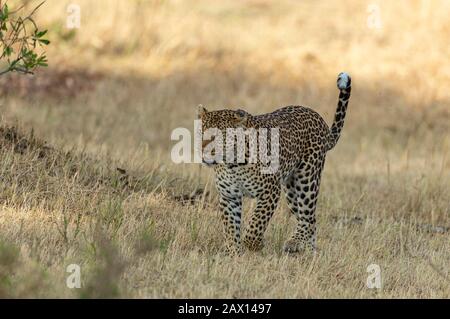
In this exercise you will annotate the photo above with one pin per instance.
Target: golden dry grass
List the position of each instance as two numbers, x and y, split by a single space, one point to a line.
136 70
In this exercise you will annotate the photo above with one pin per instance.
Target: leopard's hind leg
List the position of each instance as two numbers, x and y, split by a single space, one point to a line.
301 191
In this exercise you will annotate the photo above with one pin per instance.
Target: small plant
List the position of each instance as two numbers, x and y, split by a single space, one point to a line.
8 261
112 214
20 40
109 266
63 228
147 240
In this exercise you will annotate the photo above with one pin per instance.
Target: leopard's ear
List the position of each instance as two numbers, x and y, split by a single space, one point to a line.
241 117
201 110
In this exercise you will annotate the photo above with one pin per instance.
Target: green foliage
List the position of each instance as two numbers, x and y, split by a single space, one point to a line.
21 41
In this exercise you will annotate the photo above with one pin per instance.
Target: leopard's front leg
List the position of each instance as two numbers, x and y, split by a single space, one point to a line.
266 203
231 207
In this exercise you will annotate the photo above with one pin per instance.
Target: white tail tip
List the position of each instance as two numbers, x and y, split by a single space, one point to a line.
343 81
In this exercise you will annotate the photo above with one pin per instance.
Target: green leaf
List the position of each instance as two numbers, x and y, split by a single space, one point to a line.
8 51
40 33
5 12
44 41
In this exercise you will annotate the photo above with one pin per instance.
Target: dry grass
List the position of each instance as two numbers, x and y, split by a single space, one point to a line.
136 70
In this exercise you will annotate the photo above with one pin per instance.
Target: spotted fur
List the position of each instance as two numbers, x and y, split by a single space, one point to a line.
304 139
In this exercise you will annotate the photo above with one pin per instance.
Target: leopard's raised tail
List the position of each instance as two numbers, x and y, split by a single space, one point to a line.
344 84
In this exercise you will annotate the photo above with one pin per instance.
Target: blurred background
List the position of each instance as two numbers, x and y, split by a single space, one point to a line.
123 74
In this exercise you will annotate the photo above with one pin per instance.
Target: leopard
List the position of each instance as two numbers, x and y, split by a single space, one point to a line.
304 138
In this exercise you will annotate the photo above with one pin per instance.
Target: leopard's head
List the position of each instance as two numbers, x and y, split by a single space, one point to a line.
215 124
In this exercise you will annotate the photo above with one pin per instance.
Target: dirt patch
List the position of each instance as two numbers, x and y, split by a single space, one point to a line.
53 83
81 169
11 137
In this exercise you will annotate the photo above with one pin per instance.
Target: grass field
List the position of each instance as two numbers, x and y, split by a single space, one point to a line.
135 70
